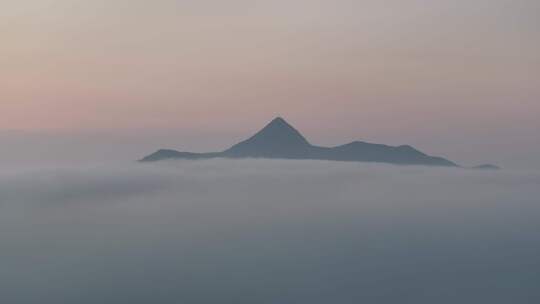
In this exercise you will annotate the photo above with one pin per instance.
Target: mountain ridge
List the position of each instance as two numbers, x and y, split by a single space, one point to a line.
278 139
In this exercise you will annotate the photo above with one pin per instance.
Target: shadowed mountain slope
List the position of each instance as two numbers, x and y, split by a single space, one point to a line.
279 139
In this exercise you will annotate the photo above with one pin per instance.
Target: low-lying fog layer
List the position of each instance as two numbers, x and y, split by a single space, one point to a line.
254 231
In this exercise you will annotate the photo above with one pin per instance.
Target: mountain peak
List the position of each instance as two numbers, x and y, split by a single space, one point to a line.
279 123
280 131
277 137
278 120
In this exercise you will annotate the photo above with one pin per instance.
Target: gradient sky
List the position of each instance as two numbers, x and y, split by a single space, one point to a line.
459 78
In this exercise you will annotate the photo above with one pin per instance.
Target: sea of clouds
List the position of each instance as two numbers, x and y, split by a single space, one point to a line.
268 231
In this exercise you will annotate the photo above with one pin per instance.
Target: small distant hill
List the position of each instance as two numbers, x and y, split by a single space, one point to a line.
280 140
486 167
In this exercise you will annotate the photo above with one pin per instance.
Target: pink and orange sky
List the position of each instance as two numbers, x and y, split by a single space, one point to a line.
458 78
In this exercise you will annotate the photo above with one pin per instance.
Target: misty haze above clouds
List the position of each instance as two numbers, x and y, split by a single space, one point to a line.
456 78
268 231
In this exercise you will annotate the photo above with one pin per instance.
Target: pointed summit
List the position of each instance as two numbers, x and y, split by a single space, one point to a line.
279 121
280 130
277 138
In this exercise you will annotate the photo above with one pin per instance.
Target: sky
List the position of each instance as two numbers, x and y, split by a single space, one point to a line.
454 78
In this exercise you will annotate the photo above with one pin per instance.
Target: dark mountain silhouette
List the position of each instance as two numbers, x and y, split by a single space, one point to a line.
280 140
277 140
